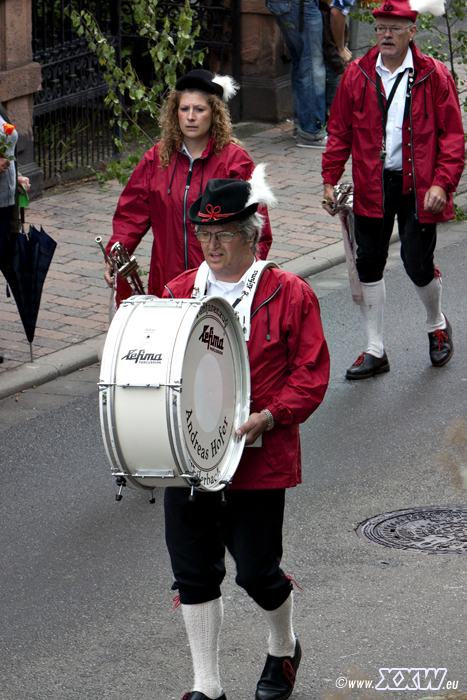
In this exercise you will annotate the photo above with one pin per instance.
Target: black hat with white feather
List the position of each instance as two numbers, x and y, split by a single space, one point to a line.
232 200
223 86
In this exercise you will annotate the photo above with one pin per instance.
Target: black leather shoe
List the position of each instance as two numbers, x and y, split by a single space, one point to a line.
441 346
278 678
196 695
367 365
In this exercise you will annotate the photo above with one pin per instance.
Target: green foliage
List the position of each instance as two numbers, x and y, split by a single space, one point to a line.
459 214
54 149
451 44
170 42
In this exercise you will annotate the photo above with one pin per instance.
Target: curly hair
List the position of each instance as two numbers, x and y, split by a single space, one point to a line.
172 137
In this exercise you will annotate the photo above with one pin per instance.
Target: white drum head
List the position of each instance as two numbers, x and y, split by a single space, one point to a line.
212 402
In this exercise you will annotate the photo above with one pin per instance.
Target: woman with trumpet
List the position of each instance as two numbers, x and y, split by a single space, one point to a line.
197 145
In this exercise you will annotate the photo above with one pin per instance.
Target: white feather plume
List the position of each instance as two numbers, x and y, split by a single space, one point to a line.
259 189
436 7
228 84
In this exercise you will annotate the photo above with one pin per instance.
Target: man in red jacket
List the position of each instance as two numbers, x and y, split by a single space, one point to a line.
289 366
397 112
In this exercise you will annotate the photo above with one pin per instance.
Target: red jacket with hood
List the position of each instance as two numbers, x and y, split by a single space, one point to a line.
289 367
161 199
433 136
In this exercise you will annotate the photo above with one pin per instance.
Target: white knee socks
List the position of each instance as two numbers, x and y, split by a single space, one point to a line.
281 635
374 296
203 624
431 298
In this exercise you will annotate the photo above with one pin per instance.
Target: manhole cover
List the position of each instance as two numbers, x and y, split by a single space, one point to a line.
431 530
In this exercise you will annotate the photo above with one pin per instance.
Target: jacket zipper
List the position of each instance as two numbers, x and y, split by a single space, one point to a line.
185 197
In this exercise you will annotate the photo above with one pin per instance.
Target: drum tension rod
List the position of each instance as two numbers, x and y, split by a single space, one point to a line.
120 482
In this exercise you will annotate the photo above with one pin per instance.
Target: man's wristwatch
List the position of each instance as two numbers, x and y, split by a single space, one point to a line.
270 418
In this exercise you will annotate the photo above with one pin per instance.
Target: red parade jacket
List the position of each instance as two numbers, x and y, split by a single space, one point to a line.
433 137
289 373
161 199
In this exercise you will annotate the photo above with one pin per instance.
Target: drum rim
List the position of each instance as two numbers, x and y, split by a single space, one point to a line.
245 389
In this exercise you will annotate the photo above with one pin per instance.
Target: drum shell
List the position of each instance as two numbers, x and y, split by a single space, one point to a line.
142 421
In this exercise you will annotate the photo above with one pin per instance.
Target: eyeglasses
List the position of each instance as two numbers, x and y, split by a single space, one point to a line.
221 236
379 29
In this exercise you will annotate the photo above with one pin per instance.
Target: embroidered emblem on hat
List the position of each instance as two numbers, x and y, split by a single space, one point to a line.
213 213
388 8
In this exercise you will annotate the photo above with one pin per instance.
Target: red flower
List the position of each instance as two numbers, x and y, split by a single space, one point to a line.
8 129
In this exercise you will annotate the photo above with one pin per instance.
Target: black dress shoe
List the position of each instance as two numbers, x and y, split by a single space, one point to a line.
367 365
196 695
278 678
441 345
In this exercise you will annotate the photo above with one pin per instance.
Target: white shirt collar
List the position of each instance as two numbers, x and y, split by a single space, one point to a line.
185 150
407 63
212 279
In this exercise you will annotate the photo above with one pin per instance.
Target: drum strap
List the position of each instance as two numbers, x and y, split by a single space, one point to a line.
243 304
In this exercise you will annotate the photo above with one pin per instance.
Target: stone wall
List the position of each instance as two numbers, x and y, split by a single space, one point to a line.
265 66
20 77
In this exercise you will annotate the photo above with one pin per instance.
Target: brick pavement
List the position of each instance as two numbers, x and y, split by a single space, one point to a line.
75 300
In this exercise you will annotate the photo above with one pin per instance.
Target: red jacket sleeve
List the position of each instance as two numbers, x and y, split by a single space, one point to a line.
132 217
309 362
451 141
339 128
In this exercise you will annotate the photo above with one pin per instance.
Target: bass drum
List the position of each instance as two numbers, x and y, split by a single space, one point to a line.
174 387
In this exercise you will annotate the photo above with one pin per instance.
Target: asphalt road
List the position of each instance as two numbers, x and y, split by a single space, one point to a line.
85 581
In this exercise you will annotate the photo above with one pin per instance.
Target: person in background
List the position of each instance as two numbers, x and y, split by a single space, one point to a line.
397 112
10 183
197 144
301 25
339 12
336 55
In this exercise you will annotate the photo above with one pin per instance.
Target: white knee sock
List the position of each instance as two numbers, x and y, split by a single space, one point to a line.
203 624
374 295
431 298
281 636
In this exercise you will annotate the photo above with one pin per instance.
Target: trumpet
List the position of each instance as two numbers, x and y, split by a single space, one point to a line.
122 263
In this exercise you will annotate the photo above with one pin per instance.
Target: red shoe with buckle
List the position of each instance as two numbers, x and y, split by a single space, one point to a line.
367 365
278 677
441 345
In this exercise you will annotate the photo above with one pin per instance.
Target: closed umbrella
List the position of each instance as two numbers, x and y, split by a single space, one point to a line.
25 269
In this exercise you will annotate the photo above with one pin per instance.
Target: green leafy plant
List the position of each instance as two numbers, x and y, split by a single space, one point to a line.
170 42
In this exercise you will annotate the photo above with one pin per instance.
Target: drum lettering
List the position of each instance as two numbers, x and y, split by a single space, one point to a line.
218 443
200 450
208 337
142 356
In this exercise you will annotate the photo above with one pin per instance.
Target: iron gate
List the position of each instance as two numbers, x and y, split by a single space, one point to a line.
71 121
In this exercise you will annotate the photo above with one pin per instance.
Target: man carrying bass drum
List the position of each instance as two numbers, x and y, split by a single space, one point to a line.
289 364
197 144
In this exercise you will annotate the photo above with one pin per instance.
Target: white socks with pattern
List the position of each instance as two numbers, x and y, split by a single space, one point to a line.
281 636
374 295
203 624
431 298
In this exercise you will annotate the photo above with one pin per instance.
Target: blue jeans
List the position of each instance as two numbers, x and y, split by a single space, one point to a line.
306 51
